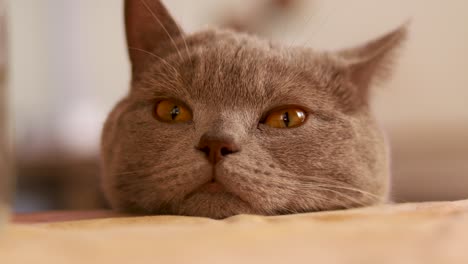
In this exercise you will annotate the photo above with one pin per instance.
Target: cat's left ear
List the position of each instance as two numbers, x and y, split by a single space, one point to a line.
372 62
149 26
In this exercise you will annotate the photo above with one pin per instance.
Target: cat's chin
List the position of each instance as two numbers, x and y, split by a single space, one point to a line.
212 187
214 202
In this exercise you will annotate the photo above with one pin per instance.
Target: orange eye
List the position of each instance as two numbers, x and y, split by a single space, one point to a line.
286 118
170 111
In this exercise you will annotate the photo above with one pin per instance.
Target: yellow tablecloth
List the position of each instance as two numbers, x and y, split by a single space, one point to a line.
404 233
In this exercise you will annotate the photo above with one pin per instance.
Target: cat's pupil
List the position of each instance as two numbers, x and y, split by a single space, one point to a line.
286 119
175 112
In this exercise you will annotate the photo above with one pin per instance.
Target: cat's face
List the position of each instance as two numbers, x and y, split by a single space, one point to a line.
204 130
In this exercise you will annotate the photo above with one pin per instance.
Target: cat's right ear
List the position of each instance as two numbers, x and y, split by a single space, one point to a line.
148 26
369 63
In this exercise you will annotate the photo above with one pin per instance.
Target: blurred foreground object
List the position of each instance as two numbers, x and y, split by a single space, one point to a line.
4 155
58 180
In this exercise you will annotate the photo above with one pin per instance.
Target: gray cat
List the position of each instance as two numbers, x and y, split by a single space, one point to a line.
219 123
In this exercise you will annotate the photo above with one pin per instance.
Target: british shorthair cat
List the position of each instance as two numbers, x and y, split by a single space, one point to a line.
218 123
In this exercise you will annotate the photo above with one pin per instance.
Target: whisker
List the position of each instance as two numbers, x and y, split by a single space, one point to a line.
302 187
307 183
152 169
352 189
307 22
322 23
185 44
327 183
338 184
348 197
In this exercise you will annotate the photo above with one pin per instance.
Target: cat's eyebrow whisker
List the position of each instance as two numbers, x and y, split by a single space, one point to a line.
165 81
185 44
162 25
157 57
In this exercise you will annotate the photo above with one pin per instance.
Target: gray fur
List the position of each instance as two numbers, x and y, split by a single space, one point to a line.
336 160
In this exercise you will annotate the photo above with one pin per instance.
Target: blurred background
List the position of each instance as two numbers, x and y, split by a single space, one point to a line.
68 66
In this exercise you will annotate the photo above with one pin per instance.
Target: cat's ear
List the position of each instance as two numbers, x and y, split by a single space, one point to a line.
148 25
372 62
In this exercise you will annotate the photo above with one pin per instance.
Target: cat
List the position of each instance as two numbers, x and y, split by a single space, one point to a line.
219 123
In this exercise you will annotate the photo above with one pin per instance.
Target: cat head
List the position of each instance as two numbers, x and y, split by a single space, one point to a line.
218 123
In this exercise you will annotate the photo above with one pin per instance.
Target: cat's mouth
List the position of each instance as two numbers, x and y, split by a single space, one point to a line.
212 187
215 191
214 196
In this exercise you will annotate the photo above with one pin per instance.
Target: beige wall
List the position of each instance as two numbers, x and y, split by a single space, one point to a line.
68 59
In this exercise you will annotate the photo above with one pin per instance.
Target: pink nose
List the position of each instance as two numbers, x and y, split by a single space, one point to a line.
216 148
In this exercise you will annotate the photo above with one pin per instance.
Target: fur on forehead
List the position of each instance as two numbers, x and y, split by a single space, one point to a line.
229 64
231 69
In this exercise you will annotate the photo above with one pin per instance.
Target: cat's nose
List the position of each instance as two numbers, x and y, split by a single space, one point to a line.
216 148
